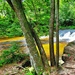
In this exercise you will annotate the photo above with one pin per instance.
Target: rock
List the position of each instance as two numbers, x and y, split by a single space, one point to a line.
69 50
65 57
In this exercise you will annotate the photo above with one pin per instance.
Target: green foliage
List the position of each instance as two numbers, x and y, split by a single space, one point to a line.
9 28
9 25
69 55
67 27
67 12
38 15
29 71
42 30
11 55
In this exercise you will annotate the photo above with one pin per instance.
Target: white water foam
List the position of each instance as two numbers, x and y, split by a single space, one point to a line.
64 36
67 37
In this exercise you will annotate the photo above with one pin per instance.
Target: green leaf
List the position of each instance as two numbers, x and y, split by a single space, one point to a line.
29 73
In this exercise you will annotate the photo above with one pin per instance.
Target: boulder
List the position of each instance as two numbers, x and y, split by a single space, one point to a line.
70 48
69 51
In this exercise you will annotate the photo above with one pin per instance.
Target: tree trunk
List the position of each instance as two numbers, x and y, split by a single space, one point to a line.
57 33
51 33
34 56
38 42
41 50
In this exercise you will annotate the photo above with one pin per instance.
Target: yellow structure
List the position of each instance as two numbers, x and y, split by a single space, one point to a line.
61 49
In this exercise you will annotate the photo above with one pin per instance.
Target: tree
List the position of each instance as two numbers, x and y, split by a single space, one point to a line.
34 56
51 33
57 33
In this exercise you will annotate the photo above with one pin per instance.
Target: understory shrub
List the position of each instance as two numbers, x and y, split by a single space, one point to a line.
13 54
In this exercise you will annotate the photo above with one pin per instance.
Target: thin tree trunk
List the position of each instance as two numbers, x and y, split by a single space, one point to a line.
34 56
51 33
57 33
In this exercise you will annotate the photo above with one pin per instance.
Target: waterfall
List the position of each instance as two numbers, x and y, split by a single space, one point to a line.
67 35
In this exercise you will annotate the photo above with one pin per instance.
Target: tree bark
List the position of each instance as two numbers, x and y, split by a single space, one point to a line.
34 56
51 33
57 33
41 50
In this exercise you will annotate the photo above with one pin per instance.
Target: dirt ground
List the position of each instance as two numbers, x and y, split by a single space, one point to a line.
68 68
11 69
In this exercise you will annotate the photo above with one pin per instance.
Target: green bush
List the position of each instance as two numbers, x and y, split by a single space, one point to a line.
29 71
9 28
11 55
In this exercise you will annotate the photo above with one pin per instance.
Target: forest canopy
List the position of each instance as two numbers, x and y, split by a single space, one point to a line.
38 15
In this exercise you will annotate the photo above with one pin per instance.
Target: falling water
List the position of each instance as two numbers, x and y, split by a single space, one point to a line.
67 35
